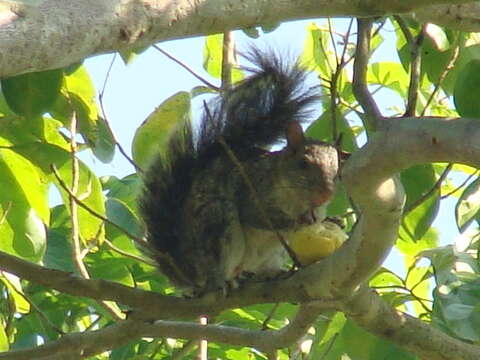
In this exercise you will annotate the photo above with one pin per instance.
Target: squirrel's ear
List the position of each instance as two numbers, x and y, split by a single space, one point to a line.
294 135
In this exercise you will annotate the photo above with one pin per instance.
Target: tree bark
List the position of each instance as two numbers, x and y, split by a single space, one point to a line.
49 34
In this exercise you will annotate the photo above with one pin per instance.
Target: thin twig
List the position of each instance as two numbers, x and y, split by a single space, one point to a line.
93 323
186 67
460 186
346 38
332 40
340 65
404 28
330 346
107 123
91 211
450 65
127 254
5 213
269 316
76 248
430 192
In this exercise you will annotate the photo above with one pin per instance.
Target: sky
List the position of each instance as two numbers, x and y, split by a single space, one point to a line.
133 91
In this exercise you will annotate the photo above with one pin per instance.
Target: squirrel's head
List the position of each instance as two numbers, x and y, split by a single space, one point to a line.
313 164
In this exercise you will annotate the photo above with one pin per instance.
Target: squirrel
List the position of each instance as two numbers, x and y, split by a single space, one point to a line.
206 225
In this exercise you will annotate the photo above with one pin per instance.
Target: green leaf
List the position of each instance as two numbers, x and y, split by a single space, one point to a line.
213 56
119 213
351 342
110 268
4 345
411 246
24 206
385 277
152 135
104 146
438 37
59 250
419 181
78 97
457 295
318 54
14 286
126 189
465 94
458 311
32 94
241 354
389 74
435 63
321 129
90 192
418 279
340 203
128 56
468 206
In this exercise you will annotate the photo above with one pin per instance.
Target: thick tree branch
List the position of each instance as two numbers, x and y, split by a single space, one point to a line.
54 33
369 311
464 17
81 345
155 306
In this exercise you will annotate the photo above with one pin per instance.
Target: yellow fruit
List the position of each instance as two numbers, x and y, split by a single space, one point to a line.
314 242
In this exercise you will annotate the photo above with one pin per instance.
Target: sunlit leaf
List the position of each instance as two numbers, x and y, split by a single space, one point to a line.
104 147
90 192
14 287
213 55
389 74
318 54
151 136
437 36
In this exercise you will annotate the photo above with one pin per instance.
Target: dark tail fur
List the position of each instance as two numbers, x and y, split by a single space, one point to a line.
257 111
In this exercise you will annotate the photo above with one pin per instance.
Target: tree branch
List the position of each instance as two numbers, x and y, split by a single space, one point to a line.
359 82
51 34
89 343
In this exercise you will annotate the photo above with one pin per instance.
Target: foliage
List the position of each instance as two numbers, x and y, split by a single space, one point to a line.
39 113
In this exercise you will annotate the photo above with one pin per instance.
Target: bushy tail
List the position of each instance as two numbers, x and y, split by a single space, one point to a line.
166 185
256 111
